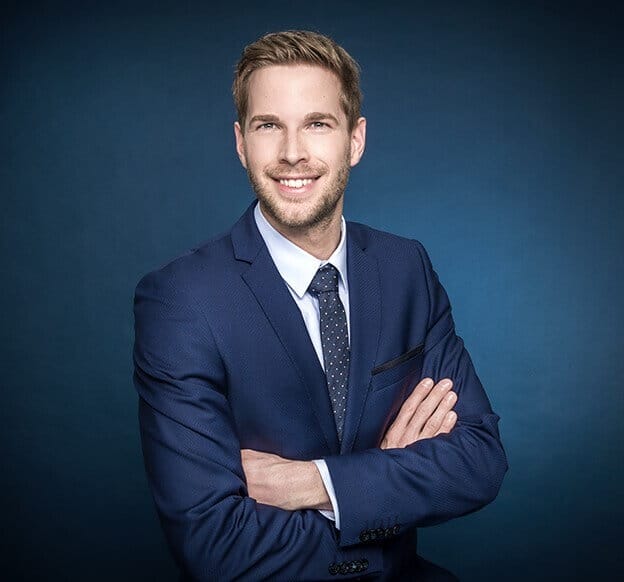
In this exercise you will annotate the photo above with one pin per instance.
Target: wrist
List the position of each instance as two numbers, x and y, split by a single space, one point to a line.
316 494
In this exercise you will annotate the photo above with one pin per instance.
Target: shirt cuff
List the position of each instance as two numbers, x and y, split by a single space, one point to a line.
334 515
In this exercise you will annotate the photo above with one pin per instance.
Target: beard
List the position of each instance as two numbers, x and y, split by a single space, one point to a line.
301 213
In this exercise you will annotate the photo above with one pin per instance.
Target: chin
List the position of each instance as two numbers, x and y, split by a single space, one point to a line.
294 217
299 213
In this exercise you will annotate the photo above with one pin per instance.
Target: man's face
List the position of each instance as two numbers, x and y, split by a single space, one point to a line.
296 145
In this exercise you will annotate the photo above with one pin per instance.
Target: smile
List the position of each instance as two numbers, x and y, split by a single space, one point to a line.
296 183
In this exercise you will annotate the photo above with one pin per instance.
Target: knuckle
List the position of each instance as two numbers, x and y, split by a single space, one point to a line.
417 421
425 411
412 400
420 391
445 408
435 397
409 407
448 402
431 425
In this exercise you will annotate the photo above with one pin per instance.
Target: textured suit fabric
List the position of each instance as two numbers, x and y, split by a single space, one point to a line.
223 361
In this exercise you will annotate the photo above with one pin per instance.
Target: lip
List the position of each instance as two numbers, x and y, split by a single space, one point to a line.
296 191
300 177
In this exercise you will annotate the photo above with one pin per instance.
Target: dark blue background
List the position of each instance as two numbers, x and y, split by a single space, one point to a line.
495 137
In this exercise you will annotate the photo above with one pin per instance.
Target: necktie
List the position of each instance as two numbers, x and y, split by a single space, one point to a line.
334 339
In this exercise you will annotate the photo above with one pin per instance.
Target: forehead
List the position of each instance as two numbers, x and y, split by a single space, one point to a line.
290 89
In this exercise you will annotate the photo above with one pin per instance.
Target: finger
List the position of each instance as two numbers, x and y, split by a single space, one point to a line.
413 401
397 428
426 409
429 404
434 423
448 423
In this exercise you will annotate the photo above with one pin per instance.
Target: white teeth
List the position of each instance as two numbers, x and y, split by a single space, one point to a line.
296 183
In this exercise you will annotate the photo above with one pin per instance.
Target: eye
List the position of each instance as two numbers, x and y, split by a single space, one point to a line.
266 126
319 125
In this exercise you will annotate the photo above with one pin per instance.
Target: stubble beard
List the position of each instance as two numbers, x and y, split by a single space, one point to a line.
324 207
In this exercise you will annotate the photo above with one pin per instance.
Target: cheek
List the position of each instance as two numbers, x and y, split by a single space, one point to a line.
330 152
261 153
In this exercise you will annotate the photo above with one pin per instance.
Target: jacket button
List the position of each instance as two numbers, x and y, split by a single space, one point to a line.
333 569
365 536
396 529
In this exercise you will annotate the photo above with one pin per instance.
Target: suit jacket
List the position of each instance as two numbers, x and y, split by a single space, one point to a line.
223 361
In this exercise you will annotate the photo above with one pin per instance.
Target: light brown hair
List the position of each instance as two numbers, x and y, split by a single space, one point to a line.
295 47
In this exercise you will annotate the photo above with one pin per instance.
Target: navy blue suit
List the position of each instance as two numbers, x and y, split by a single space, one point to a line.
223 361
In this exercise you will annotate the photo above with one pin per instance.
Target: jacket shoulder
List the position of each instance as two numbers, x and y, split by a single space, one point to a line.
195 267
385 244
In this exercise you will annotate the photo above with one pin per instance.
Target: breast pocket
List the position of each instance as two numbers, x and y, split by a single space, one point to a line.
392 382
407 366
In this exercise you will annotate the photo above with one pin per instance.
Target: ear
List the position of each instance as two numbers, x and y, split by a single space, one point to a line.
358 141
240 144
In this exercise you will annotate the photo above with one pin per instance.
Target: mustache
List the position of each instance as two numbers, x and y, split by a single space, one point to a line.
284 170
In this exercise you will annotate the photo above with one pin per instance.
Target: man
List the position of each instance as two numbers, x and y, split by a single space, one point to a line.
295 374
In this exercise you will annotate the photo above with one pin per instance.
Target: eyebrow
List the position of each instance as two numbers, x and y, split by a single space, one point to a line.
314 116
318 116
264 119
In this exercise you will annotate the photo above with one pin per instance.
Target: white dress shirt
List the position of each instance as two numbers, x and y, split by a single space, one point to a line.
297 268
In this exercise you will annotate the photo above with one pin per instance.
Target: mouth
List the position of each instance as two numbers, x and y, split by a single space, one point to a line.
295 182
296 185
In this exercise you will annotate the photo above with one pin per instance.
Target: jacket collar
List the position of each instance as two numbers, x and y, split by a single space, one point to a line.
265 282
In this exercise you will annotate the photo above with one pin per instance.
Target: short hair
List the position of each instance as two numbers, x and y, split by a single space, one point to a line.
299 47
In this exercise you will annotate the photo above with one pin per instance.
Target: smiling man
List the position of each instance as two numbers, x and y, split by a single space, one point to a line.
305 404
298 161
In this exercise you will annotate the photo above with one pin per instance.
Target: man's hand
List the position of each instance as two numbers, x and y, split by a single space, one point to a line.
283 483
293 485
425 414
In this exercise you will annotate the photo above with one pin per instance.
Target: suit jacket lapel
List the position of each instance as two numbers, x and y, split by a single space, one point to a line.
365 324
265 282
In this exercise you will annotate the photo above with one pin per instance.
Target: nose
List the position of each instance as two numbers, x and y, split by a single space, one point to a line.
293 149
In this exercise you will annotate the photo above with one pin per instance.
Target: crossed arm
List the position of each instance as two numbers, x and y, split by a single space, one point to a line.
206 498
293 485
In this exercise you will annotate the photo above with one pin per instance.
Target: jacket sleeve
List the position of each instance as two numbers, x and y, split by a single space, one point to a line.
432 480
192 455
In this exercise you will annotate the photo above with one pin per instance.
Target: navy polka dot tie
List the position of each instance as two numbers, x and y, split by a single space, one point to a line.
334 339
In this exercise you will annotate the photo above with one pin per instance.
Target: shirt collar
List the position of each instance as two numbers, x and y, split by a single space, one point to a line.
296 266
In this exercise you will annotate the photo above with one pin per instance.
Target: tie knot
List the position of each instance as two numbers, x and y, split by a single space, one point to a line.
325 280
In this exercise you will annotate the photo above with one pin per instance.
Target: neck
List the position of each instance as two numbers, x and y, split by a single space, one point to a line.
320 240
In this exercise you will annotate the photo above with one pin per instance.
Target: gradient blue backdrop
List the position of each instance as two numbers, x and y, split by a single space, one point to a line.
495 137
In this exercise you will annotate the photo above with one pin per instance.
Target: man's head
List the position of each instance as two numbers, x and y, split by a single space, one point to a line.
299 130
297 47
